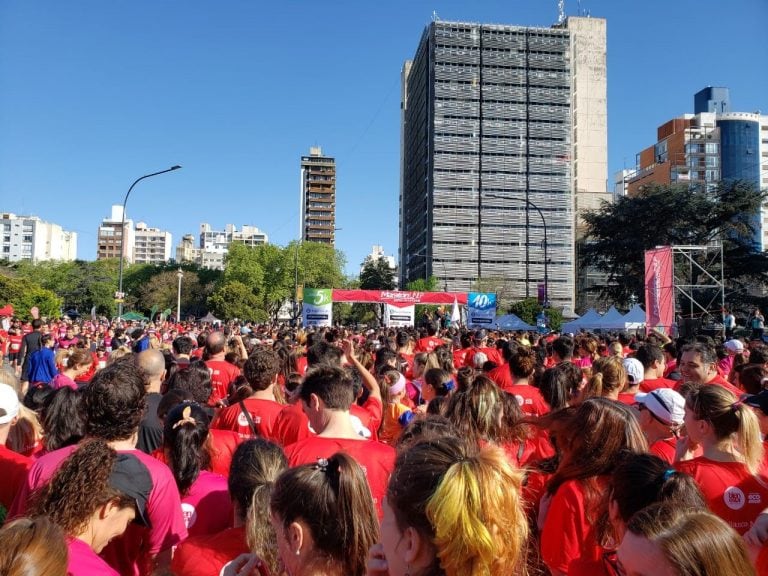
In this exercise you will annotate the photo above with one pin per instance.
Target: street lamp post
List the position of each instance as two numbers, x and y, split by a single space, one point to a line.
120 294
546 244
179 275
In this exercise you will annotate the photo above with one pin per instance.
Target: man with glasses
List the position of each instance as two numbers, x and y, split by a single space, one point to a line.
661 414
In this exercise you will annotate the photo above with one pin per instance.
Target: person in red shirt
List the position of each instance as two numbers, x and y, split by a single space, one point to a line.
429 342
292 424
501 374
222 372
446 513
256 466
521 366
635 374
732 452
254 409
326 395
639 480
13 465
590 437
698 365
667 539
660 416
654 365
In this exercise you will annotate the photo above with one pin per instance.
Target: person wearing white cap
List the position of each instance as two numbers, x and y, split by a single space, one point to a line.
661 414
635 375
13 465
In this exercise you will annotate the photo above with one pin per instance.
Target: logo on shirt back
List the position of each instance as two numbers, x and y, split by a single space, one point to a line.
242 420
734 498
189 513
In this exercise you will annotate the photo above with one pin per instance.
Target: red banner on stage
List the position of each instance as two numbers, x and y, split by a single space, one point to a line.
399 298
659 289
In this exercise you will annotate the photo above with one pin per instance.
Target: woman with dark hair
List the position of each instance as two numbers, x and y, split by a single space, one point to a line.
452 510
93 497
195 379
205 502
324 519
560 385
590 438
522 365
256 466
63 419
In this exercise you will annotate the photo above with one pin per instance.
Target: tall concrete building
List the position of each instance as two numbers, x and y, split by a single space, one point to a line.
503 140
110 234
151 245
30 238
711 145
318 197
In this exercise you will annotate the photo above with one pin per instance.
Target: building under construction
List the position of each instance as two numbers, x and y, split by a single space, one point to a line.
503 141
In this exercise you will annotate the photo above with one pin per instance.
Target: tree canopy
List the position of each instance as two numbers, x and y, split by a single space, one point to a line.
619 233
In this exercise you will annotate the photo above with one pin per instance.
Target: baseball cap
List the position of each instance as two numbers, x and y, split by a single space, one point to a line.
735 346
479 335
635 370
759 400
9 403
665 404
132 478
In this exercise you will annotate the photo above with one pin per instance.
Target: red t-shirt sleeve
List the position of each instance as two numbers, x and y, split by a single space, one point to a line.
565 534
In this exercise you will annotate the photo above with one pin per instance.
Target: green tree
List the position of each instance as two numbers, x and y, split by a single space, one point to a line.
528 309
236 300
377 275
431 284
619 233
23 294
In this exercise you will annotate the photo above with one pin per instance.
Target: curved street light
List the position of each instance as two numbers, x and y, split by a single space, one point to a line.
120 294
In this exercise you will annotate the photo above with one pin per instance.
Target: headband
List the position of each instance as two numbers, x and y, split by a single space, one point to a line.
398 386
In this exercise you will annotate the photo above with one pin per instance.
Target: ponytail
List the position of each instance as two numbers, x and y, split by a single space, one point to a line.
466 503
727 416
750 439
333 498
185 438
479 527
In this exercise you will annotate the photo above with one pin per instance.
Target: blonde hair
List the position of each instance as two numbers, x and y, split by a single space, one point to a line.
467 503
728 416
26 432
693 542
608 376
118 353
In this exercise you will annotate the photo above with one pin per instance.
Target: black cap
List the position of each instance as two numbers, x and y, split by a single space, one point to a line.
130 477
759 400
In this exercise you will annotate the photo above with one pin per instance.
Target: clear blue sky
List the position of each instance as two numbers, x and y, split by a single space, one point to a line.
93 94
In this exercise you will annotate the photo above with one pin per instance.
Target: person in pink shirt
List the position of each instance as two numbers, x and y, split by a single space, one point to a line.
114 404
78 362
205 502
93 497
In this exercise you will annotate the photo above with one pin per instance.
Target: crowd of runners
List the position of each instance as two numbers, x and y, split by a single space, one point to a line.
239 449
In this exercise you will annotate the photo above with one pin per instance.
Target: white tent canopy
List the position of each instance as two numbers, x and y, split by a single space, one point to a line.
587 322
512 322
635 318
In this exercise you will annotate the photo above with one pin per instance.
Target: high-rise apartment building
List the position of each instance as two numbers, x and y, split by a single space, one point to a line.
490 159
151 245
110 234
214 244
30 238
318 197
711 145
